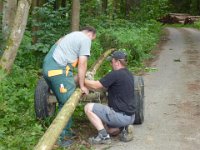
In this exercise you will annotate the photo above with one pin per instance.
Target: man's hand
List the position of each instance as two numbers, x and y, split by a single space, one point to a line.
89 75
84 90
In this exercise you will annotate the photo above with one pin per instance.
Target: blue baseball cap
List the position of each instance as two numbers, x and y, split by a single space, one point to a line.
117 55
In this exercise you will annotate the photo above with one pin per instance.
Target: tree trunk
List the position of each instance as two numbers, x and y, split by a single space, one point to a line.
75 15
114 10
58 4
64 3
41 2
34 28
16 35
104 6
9 10
1 10
136 2
50 137
129 4
1 6
194 7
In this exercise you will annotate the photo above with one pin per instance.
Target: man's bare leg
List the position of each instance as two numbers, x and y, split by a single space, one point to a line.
94 119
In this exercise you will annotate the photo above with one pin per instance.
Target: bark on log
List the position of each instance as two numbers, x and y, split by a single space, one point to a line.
172 18
9 10
75 15
50 137
191 19
16 35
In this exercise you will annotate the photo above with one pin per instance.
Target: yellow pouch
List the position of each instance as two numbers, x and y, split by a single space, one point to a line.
67 70
54 72
62 89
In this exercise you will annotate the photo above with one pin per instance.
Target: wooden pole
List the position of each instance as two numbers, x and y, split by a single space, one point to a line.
51 135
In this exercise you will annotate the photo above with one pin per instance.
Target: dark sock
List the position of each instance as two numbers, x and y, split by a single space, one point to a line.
122 128
103 132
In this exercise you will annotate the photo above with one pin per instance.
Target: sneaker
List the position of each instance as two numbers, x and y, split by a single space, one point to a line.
64 143
99 139
126 134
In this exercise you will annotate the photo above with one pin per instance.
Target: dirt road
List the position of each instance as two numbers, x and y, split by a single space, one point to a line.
172 97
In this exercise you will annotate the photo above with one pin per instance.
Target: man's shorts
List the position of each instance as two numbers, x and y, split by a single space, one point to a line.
111 118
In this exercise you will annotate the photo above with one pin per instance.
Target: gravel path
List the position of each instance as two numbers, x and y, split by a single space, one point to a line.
172 97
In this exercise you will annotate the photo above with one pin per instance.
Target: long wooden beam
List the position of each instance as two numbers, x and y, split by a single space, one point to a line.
51 135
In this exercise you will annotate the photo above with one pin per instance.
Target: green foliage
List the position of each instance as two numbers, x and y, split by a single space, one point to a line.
185 6
79 112
194 7
148 10
48 25
1 37
138 41
197 25
28 57
90 8
17 119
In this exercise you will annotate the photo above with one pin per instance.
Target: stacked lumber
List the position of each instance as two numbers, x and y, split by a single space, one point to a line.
178 18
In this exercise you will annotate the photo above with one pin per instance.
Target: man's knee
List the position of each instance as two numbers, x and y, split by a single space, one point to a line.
88 108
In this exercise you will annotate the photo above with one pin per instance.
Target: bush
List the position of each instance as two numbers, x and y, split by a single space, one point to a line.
153 9
48 26
197 24
138 41
17 118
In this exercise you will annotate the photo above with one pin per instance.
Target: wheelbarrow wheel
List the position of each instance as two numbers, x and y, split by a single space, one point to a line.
139 97
43 108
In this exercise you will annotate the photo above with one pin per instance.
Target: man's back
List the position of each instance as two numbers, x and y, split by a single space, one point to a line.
120 85
71 46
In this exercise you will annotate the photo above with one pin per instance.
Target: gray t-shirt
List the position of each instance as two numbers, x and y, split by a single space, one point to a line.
71 46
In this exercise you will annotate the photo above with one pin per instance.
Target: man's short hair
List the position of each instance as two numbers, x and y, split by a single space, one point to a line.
89 29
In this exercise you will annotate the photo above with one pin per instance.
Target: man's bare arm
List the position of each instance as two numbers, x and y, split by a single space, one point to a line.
82 68
94 85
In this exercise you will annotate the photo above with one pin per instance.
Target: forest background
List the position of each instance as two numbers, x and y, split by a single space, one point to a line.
130 25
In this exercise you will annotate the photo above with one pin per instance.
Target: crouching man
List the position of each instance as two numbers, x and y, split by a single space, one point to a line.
118 116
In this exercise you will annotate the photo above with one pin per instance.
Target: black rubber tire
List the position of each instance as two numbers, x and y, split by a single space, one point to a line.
43 109
139 97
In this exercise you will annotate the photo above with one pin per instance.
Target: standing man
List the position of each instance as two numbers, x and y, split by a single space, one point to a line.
65 54
119 115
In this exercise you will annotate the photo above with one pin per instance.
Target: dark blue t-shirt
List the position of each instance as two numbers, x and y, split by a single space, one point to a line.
120 86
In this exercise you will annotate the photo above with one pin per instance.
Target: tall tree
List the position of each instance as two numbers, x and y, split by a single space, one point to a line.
34 28
64 3
16 35
104 6
9 10
129 4
59 3
195 7
1 6
75 15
